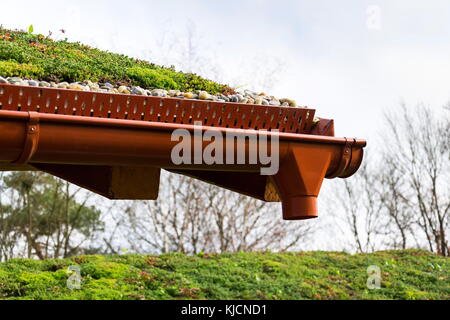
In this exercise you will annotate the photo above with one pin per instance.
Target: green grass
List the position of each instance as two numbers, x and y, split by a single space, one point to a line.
410 274
26 55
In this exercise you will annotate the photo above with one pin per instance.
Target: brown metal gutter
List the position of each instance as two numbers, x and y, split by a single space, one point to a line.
120 157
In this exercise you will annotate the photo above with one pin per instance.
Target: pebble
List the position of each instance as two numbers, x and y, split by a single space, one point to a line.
223 97
93 86
188 95
44 84
62 85
33 83
159 93
289 102
74 86
138 91
16 81
275 103
3 80
174 93
124 90
203 95
251 94
234 99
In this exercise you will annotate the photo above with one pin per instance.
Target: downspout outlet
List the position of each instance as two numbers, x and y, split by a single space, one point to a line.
300 208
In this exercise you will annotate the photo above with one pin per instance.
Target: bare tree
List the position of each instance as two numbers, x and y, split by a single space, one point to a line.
358 199
398 226
192 217
173 223
419 149
402 198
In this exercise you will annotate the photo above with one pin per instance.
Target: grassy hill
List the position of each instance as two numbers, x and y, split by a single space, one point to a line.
27 55
410 274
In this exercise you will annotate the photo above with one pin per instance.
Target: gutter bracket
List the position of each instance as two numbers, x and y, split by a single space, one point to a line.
345 159
31 139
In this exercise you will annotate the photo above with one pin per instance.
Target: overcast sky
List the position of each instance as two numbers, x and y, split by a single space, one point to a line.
348 59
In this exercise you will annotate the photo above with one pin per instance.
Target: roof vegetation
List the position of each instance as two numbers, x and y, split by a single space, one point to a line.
27 55
408 274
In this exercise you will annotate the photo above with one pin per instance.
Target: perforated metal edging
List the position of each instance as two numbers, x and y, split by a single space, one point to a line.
155 109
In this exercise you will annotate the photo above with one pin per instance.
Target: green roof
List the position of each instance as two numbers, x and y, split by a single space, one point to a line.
27 55
407 274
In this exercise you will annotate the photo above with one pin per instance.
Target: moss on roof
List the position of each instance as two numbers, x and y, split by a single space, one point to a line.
407 274
27 55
